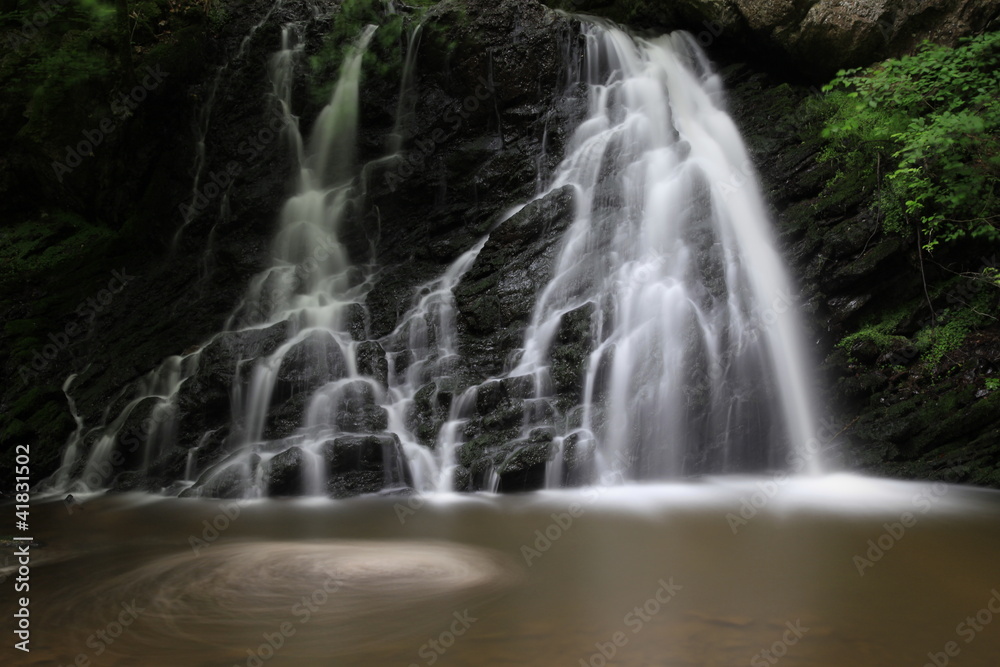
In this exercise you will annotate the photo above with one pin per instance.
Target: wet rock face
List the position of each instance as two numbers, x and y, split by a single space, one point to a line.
203 401
427 414
816 37
311 363
356 465
848 34
365 464
570 351
285 473
491 435
474 144
496 297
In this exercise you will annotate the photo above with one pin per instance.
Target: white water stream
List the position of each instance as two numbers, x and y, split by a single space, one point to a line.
696 362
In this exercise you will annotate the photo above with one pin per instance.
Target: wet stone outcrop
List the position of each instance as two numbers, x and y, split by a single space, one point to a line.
496 297
348 465
814 37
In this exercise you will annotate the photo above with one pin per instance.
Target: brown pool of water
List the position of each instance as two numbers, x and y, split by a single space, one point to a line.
832 571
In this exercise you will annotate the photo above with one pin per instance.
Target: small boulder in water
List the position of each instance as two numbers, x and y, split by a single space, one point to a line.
364 464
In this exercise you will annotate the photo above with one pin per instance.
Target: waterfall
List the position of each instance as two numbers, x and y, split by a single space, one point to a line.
426 336
71 450
696 362
312 284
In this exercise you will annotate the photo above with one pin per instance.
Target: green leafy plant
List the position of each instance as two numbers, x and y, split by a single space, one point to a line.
384 57
922 129
347 25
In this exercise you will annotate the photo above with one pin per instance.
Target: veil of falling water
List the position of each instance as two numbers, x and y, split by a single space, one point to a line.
696 363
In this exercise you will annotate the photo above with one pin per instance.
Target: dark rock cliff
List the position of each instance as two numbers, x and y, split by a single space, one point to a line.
813 38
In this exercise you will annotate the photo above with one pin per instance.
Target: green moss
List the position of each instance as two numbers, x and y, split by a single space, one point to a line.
15 430
44 245
875 334
951 328
17 328
879 334
25 402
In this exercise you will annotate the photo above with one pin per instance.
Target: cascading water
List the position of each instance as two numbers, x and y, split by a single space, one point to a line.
694 365
312 284
318 292
426 338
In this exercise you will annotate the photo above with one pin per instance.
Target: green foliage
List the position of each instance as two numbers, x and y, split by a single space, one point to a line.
347 25
64 73
43 245
992 383
878 334
67 77
922 129
934 340
991 274
385 55
937 341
